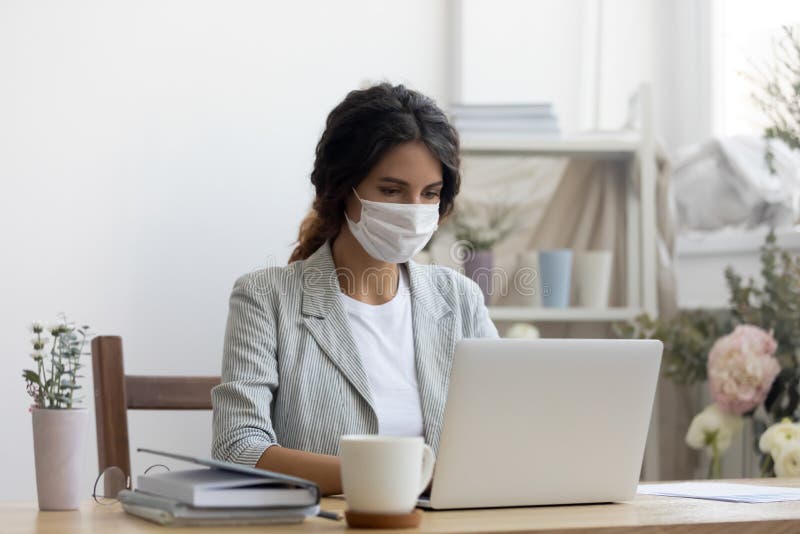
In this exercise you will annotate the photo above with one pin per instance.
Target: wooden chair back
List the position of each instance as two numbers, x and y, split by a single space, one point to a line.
115 393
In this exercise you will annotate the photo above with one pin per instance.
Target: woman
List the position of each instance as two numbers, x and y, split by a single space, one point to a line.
352 336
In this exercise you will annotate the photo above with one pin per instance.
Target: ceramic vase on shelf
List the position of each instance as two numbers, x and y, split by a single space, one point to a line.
555 270
478 266
59 439
593 277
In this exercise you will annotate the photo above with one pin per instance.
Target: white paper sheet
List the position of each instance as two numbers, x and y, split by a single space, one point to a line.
720 491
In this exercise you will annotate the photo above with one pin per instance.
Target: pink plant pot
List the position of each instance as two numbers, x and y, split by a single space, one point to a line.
59 439
478 266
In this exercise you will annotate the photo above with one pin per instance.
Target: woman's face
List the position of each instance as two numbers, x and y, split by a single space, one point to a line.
407 174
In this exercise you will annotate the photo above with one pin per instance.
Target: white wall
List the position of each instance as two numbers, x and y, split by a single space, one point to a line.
150 152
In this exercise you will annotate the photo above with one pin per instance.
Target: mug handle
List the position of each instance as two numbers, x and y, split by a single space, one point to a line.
428 460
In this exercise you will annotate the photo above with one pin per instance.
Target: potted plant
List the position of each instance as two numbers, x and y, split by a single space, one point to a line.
59 427
478 227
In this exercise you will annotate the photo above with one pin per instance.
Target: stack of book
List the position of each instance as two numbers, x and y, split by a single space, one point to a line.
221 494
506 119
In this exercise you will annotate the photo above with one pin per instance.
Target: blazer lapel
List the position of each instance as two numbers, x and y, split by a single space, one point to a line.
434 341
325 318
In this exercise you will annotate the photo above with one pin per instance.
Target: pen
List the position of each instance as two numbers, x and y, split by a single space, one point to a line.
335 516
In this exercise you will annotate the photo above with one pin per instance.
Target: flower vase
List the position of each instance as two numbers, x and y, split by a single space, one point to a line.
59 438
478 266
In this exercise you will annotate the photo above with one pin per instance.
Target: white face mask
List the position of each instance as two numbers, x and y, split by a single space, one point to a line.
394 232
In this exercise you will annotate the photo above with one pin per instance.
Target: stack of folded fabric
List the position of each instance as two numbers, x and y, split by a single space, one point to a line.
506 119
226 494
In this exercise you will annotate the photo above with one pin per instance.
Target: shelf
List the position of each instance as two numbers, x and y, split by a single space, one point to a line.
605 146
538 314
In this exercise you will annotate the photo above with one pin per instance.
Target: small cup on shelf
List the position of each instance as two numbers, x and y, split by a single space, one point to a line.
526 279
593 277
555 272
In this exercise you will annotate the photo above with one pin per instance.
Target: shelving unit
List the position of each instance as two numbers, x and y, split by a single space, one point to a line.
637 149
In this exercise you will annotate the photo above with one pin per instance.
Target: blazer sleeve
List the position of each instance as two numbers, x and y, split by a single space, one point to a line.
242 428
473 306
484 326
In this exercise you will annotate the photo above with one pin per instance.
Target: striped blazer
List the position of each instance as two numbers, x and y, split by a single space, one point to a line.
291 372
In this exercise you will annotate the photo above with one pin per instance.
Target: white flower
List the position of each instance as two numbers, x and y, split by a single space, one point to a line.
522 330
37 327
787 464
487 235
713 427
776 437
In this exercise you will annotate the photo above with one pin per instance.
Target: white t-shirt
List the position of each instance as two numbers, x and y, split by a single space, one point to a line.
385 338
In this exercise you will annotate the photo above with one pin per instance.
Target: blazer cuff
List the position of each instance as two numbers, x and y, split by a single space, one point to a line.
252 453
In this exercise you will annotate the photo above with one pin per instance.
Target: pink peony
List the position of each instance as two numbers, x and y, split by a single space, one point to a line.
741 368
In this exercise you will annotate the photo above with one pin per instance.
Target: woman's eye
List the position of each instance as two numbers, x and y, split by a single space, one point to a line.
390 191
431 194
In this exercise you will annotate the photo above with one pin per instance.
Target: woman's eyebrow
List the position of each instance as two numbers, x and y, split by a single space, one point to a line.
398 181
390 179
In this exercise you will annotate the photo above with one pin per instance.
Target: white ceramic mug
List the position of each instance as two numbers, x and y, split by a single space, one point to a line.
384 474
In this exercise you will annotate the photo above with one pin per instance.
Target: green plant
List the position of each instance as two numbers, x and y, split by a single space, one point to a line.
773 305
54 382
687 339
778 93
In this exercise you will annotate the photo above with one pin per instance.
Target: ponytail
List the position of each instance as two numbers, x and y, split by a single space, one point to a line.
312 235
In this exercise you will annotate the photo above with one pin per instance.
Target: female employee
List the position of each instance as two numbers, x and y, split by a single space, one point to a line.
352 336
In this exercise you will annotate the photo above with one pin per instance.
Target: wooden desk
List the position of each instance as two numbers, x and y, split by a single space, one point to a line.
645 514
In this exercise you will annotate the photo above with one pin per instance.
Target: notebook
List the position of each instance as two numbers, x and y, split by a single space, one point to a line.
214 487
221 493
166 511
237 468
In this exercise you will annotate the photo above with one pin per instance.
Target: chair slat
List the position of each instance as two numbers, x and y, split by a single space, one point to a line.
169 392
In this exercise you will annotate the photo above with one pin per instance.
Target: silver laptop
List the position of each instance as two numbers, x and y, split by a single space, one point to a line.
545 421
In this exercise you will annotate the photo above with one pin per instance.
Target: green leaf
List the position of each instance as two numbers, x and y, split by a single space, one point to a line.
31 376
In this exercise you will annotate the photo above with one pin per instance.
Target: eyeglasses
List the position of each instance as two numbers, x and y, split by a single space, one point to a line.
113 479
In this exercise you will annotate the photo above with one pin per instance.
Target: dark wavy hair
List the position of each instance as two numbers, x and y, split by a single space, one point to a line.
358 133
